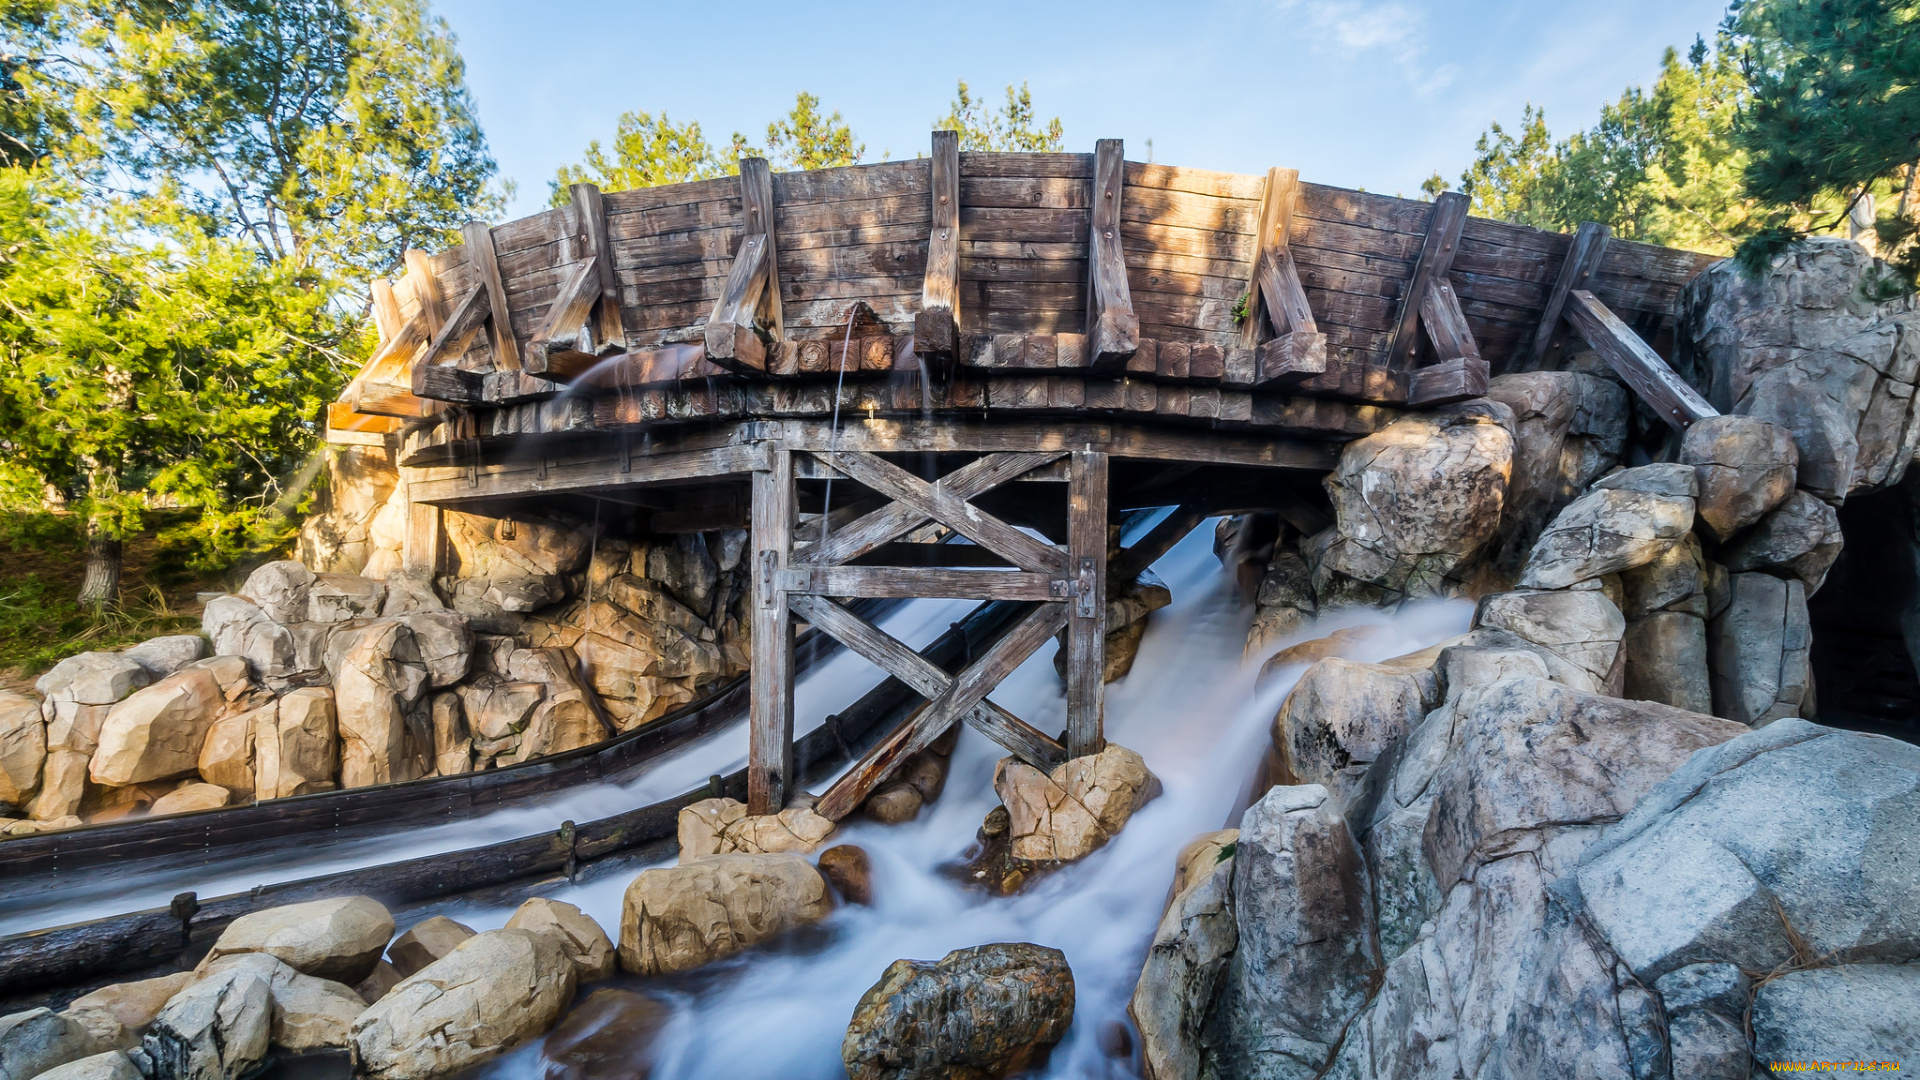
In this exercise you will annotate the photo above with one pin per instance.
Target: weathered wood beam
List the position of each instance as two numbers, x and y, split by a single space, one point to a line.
426 288
424 546
555 350
1442 243
1274 230
1576 272
925 678
1113 330
896 518
1444 383
752 291
936 327
1678 403
1461 373
386 399
387 318
1298 349
957 514
878 582
968 689
901 553
468 316
770 708
481 256
1087 613
444 382
1147 550
590 219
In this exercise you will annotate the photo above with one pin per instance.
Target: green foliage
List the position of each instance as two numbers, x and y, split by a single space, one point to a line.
330 133
647 152
1834 114
806 139
1239 309
1225 853
1660 166
1011 128
145 364
40 626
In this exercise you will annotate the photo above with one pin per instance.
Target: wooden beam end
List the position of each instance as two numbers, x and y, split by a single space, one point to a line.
1454 380
935 333
736 348
1291 358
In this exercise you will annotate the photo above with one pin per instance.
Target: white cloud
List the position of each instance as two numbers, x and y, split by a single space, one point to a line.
1386 27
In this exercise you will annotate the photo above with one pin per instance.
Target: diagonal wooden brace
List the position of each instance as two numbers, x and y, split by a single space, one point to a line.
955 513
896 519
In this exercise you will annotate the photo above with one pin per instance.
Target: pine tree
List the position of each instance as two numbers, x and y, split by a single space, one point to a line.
647 152
1012 128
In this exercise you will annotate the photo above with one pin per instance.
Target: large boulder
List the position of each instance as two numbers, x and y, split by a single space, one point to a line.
677 918
1799 538
162 656
218 1028
1745 467
579 936
23 747
190 797
723 827
361 482
308 1013
642 650
1666 661
1581 627
1073 811
493 992
338 939
238 627
452 741
1627 520
333 598
377 679
1306 954
425 942
279 589
296 746
119 1014
1568 428
1839 1014
1342 715
37 1040
445 643
227 753
157 733
1417 499
1759 649
1805 346
988 1011
1195 939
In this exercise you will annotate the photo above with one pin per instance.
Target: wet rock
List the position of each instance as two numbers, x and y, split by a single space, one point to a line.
1569 427
1305 953
1346 643
893 804
1605 531
847 868
493 992
926 772
684 566
678 918
237 627
1419 498
1284 603
1745 467
1758 649
157 732
1073 811
339 939
335 598
295 745
162 656
1846 1013
1340 716
1666 661
118 1015
1706 1007
723 827
988 1011
23 747
37 1040
1583 628
308 1013
580 937
112 1065
191 797
227 757
218 1028
425 942
1799 538
452 743
609 1036
1195 939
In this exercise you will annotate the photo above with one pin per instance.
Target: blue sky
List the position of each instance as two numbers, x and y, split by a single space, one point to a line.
1359 93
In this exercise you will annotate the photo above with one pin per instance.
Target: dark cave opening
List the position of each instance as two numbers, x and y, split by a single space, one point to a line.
1863 668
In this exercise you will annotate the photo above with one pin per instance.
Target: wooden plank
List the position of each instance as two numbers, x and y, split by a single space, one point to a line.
1435 261
485 262
884 582
1172 529
896 518
925 678
1087 622
752 290
936 327
1113 331
468 316
1291 358
770 750
901 553
443 382
1281 191
934 502
968 689
1452 380
386 310
1446 325
1678 403
426 288
1576 272
590 221
559 332
756 196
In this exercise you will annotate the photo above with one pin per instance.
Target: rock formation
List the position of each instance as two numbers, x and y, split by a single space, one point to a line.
988 1011
678 918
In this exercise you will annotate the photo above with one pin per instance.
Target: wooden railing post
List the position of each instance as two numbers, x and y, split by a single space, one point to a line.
770 751
1087 612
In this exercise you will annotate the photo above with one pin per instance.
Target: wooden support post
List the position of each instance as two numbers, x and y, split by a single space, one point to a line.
1274 294
1461 373
1274 230
1113 331
1582 263
936 327
555 350
1087 621
386 311
753 284
1635 361
590 219
426 288
485 263
770 751
425 538
1436 260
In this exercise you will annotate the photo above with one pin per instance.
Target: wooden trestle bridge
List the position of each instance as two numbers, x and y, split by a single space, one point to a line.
1017 348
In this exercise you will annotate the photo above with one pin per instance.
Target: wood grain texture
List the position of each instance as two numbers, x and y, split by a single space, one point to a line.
942 506
1452 380
770 723
1087 490
1435 261
1446 325
1112 329
936 327
897 518
481 255
1272 231
1576 272
1678 403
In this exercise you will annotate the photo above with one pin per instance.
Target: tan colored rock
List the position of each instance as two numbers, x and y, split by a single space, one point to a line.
1745 467
678 918
425 942
587 945
92 678
119 1014
192 797
23 747
308 1013
1075 810
63 784
1346 642
723 827
339 939
375 986
1340 717
226 758
493 992
1200 855
280 590
377 677
296 745
926 772
566 720
112 1065
893 804
445 643
157 733
496 709
360 482
848 869
36 1040
452 744
1582 627
334 598
1605 531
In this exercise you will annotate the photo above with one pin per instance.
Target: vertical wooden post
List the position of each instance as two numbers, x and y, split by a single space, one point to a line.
1087 614
770 754
936 326
425 537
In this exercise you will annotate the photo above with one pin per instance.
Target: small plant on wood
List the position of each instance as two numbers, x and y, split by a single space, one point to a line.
1239 311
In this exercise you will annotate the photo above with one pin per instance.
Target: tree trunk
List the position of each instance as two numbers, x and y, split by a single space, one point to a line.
102 584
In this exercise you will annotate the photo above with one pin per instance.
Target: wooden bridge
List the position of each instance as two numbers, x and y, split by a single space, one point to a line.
1015 348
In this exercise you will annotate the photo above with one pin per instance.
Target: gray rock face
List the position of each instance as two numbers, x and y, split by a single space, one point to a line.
992 1010
377 679
1675 580
1759 649
1666 661
411 592
112 1065
308 1013
1605 531
1342 715
1417 499
216 1029
1583 628
93 678
1853 1012
1799 538
1804 348
1706 1006
23 747
280 590
1302 909
1744 465
37 1040
162 656
445 642
1190 949
1568 429
238 627
333 598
